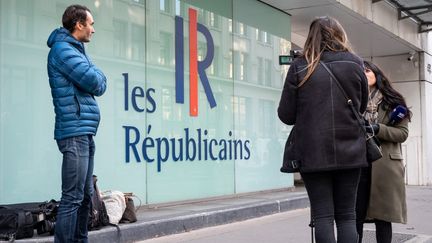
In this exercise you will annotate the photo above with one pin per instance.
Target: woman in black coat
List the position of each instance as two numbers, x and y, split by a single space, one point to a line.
329 140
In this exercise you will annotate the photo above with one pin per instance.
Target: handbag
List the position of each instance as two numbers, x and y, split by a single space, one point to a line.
373 150
115 205
129 215
290 164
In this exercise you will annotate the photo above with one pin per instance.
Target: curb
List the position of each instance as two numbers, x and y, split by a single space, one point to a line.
172 225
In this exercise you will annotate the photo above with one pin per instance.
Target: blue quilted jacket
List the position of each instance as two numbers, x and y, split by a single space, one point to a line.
74 82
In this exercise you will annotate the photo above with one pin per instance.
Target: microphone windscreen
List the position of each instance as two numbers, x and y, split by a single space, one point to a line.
398 114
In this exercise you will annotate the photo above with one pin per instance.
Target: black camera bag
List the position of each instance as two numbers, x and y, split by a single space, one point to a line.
15 223
18 221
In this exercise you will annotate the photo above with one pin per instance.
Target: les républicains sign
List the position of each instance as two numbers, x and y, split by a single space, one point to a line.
195 144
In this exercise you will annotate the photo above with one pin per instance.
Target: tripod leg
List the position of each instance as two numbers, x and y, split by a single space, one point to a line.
311 225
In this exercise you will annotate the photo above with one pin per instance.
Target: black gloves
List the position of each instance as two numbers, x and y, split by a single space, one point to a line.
374 128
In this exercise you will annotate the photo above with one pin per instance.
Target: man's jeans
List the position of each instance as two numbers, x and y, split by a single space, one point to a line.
77 170
332 195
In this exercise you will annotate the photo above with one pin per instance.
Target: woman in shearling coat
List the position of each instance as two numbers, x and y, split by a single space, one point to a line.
330 143
381 194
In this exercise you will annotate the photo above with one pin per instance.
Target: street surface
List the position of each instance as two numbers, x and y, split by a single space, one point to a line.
293 226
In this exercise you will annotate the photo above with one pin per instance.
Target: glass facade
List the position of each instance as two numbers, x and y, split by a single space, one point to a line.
223 138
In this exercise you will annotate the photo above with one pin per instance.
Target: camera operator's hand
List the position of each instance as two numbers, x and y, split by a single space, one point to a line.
374 128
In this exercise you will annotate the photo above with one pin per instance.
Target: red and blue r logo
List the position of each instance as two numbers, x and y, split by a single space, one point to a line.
195 67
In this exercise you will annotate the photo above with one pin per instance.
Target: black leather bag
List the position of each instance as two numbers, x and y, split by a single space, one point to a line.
290 163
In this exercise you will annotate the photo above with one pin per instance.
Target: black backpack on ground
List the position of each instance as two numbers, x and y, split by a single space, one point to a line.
15 223
98 216
18 221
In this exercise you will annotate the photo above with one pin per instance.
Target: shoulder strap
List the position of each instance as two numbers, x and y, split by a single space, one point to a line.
349 101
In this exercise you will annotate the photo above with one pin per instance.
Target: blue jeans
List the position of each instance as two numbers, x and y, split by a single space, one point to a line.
332 196
77 186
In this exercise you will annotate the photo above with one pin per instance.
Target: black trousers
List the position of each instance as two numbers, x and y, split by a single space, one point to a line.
383 228
332 196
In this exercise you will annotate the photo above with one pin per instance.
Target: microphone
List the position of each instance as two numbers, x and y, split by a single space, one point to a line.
398 114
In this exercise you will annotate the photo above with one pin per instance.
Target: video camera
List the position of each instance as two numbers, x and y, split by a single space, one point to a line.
45 218
288 59
46 225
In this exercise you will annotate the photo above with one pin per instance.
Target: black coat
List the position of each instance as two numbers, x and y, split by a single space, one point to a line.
328 136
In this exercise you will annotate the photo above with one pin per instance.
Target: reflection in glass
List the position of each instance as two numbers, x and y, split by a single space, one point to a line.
165 48
177 7
214 67
120 38
138 36
240 113
202 50
166 104
230 65
243 66
257 35
18 22
260 71
240 28
140 41
267 110
268 71
165 6
213 20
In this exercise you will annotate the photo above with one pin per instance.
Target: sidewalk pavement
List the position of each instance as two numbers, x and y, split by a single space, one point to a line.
419 226
156 221
291 227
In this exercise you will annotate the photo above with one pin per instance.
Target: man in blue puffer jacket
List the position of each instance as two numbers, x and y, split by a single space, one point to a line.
74 82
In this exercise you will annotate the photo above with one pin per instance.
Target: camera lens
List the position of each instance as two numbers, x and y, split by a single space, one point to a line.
45 226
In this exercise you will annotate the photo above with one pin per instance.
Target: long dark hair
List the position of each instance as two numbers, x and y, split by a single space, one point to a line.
325 34
391 97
